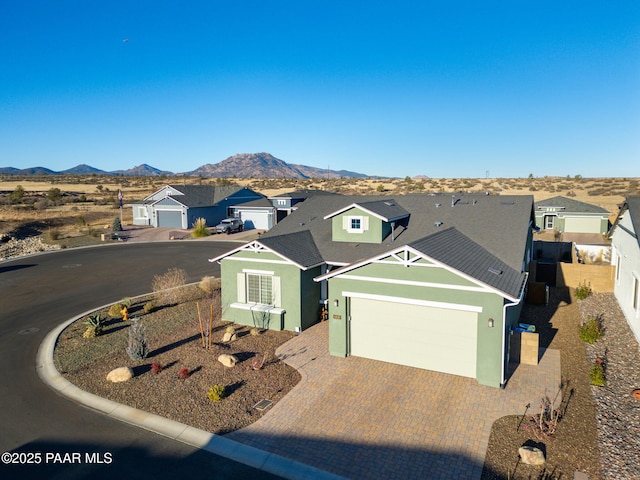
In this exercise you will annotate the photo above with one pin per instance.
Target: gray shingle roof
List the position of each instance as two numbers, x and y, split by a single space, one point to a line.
452 248
203 195
260 202
499 224
302 194
632 206
387 209
298 247
570 206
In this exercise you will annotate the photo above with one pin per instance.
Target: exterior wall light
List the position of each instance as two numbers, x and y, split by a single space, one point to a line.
336 302
490 323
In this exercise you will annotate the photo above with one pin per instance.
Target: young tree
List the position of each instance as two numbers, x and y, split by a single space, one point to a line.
17 194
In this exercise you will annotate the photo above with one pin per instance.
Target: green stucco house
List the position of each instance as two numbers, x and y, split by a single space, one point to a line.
428 281
566 215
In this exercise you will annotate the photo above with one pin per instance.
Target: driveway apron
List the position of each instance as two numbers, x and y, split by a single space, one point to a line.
364 419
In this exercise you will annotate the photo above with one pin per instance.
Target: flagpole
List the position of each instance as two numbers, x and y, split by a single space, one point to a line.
120 198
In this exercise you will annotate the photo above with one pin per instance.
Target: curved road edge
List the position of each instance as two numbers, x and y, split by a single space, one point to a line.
238 452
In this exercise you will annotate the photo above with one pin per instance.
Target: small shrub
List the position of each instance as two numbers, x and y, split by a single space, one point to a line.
126 302
596 375
591 331
137 347
115 309
167 285
254 331
230 329
94 325
54 234
257 364
184 373
149 307
209 284
200 228
116 225
156 368
583 290
216 393
545 423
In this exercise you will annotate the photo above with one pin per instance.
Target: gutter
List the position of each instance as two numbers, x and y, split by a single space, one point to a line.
504 327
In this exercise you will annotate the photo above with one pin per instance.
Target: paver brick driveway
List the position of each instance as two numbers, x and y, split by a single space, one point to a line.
365 419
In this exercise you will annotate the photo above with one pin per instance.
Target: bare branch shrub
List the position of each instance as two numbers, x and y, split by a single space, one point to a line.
168 285
210 285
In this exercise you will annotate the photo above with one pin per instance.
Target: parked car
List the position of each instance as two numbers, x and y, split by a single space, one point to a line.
230 225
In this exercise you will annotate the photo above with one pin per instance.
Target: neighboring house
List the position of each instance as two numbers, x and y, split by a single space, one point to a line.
626 258
257 214
566 215
178 206
429 281
285 203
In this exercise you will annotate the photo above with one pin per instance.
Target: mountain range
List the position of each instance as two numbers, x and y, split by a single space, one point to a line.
243 165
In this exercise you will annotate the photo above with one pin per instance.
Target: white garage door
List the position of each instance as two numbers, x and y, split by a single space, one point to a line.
431 338
582 225
255 219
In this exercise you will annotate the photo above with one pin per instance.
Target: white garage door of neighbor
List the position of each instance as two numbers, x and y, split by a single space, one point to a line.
582 225
431 338
254 219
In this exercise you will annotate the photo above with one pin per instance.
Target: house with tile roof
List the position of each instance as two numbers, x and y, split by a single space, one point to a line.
428 281
625 256
178 206
566 215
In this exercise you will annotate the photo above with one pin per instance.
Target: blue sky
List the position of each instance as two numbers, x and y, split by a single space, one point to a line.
443 89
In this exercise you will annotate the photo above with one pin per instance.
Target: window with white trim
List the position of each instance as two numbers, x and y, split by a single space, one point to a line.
260 289
355 223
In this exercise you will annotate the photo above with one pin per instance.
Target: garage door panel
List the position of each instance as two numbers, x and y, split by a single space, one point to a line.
169 218
254 219
582 225
424 337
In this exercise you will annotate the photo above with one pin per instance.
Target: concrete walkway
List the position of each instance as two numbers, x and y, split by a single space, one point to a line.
364 419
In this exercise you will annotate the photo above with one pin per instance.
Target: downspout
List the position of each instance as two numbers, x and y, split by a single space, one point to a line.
504 327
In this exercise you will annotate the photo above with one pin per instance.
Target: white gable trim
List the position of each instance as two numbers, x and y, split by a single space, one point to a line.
359 207
409 253
256 247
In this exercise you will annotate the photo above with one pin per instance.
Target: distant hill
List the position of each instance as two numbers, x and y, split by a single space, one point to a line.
83 169
143 170
26 171
265 165
243 165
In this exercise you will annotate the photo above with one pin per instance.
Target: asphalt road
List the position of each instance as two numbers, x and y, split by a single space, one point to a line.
40 292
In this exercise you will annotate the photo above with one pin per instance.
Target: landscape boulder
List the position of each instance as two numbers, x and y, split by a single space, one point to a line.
121 374
229 337
228 360
531 455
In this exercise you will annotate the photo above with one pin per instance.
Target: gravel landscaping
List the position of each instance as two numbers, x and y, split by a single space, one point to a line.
617 412
173 335
598 434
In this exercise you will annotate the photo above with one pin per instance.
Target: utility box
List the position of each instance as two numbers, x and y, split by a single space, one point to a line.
525 347
529 343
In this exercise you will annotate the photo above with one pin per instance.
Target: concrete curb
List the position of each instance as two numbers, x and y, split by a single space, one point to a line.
238 452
